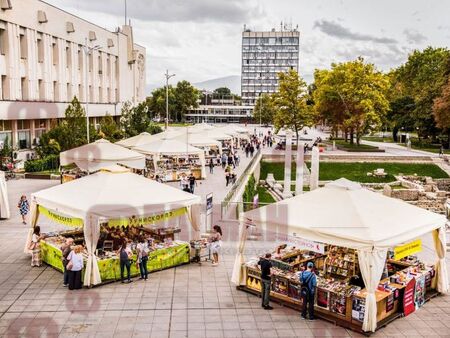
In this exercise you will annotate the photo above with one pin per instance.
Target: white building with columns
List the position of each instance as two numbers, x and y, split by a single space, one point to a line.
43 66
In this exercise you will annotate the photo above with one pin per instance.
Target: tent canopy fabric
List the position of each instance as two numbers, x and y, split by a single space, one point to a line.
101 153
137 140
113 195
198 140
345 214
168 147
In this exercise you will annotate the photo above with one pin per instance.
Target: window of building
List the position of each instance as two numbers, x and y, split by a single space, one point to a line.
108 94
5 132
41 90
91 62
5 88
55 52
40 48
80 57
99 61
80 92
100 94
91 94
23 45
23 134
69 92
40 126
55 91
24 88
108 66
68 56
3 40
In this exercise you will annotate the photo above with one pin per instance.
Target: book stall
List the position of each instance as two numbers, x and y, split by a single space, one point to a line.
170 159
363 247
105 209
340 293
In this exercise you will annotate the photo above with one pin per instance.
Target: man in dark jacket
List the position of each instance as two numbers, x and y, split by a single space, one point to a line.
308 282
265 265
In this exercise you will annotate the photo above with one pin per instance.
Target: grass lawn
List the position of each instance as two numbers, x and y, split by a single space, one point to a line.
427 147
329 171
264 196
378 139
354 146
46 172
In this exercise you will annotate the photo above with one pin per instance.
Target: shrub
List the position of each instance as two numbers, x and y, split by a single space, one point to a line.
50 162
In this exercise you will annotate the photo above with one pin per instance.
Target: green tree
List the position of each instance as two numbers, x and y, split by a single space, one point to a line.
361 90
6 150
186 97
109 129
290 103
157 103
222 91
422 78
48 145
134 120
264 109
154 128
441 110
73 126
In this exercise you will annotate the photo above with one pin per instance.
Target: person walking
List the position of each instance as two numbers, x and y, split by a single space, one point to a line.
265 265
227 176
124 255
184 182
247 149
252 150
75 265
236 159
224 160
441 151
35 246
66 248
215 243
211 166
142 251
231 161
24 208
192 182
308 283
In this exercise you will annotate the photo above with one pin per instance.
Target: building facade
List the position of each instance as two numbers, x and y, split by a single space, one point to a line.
45 62
264 55
214 108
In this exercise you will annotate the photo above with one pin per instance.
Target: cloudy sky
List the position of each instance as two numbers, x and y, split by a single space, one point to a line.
201 39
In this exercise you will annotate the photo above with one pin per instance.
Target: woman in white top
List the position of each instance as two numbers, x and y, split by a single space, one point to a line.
142 251
215 243
35 247
74 267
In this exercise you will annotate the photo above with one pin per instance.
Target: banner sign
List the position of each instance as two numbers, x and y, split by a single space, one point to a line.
408 298
66 220
209 203
407 249
144 220
305 244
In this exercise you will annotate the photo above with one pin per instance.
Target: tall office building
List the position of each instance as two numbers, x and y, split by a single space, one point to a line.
264 55
43 65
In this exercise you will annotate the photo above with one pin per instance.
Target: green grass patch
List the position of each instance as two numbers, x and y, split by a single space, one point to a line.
378 139
329 171
341 144
264 196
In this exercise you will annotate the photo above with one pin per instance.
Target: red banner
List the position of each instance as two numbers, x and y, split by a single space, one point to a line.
408 298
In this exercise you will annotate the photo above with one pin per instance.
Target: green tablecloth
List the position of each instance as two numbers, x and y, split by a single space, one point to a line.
110 267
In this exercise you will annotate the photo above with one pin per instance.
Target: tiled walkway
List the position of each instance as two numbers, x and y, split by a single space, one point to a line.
187 301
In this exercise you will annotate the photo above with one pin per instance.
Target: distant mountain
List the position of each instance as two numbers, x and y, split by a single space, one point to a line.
233 82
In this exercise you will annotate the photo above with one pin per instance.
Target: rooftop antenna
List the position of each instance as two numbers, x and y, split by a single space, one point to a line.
125 12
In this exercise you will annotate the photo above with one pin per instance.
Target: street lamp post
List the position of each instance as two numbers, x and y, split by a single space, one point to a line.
87 51
168 76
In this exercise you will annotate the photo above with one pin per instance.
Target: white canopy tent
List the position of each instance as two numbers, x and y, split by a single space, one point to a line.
199 140
4 203
137 140
111 195
101 153
171 147
344 214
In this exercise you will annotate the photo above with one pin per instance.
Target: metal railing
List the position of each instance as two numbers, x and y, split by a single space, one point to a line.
230 195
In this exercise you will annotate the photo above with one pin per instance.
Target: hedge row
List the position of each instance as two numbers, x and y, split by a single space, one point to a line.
50 162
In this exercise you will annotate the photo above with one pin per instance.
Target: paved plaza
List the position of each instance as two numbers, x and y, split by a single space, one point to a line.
187 301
